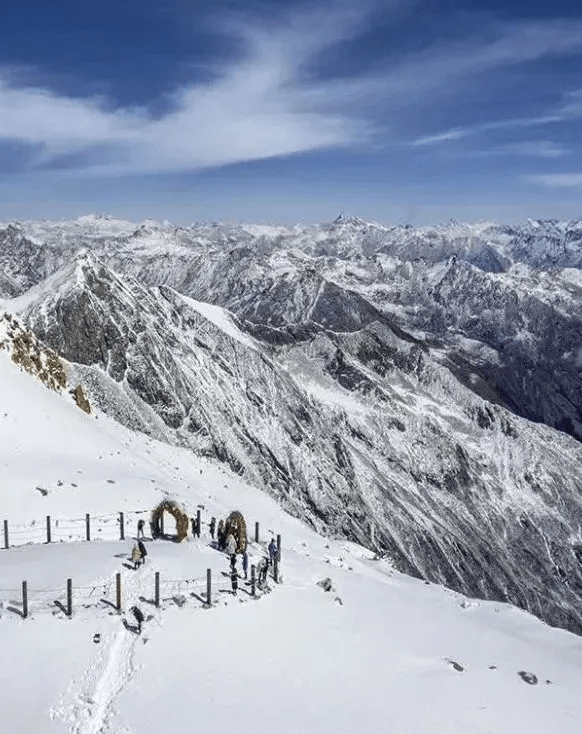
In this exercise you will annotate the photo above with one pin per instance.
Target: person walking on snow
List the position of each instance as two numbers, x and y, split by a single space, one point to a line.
231 545
140 532
234 580
231 550
263 569
138 614
272 551
220 535
212 527
136 556
245 564
142 550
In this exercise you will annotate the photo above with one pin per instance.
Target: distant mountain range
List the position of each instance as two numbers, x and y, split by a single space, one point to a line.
417 390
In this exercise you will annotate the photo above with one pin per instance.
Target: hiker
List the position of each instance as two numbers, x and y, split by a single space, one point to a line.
136 556
272 550
138 614
234 580
231 548
195 528
212 527
245 564
263 569
156 528
140 532
142 550
220 535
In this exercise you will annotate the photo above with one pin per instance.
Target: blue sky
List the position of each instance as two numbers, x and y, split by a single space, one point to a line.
398 111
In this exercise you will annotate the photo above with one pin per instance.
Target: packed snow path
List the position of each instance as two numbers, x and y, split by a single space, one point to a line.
88 704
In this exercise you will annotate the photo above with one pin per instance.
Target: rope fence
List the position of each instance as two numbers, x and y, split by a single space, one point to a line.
110 526
26 600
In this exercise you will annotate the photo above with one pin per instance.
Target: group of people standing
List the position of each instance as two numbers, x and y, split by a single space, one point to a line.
225 542
263 565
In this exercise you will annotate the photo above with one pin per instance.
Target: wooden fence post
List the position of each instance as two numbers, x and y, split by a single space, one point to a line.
69 597
121 526
24 600
276 569
118 589
198 523
208 587
48 528
6 543
157 590
256 532
253 581
87 527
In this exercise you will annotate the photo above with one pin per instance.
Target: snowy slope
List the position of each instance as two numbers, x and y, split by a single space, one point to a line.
350 423
380 651
410 389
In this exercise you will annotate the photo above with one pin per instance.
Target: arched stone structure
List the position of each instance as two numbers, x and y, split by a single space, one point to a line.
179 515
235 524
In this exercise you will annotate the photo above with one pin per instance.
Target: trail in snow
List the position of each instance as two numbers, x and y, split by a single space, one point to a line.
88 706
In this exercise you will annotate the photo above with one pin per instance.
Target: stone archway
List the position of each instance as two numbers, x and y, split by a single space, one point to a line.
182 521
235 524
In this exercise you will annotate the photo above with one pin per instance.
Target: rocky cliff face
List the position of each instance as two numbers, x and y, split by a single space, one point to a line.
380 398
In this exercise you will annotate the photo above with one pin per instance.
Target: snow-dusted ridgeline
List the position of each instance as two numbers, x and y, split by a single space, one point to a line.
371 378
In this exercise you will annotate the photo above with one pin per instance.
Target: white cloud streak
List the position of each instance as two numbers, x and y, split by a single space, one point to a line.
511 124
556 180
262 105
254 110
529 148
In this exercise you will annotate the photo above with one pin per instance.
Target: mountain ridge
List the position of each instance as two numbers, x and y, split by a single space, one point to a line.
365 394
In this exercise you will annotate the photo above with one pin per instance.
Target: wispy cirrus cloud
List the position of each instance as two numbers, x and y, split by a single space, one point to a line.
525 148
441 65
263 104
556 180
529 148
254 109
455 133
510 124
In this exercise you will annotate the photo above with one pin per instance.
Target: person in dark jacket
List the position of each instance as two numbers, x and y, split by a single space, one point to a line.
220 535
245 564
138 614
212 527
234 580
272 550
140 532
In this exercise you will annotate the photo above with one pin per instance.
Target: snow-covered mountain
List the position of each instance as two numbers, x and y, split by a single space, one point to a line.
343 642
379 382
